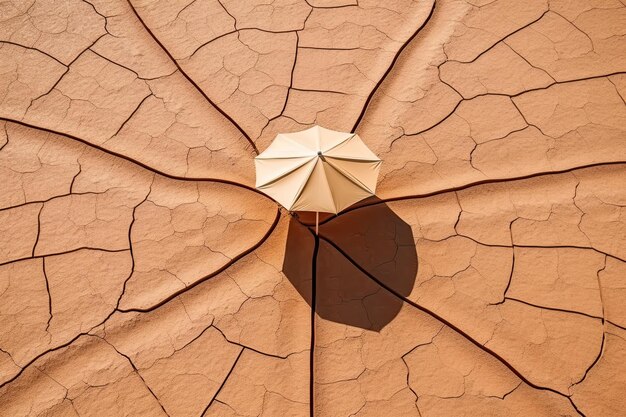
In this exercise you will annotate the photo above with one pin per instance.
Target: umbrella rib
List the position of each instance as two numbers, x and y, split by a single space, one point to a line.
280 177
340 143
329 187
269 158
301 190
350 177
350 158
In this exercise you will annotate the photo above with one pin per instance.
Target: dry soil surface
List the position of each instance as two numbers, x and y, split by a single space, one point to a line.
142 275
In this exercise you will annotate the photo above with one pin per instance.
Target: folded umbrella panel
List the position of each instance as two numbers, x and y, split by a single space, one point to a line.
345 191
352 148
269 171
286 188
363 174
286 146
316 195
318 138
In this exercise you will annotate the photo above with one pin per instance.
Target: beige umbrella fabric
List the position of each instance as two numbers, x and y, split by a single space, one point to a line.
317 170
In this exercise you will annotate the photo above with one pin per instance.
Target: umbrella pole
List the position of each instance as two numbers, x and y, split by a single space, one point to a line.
317 221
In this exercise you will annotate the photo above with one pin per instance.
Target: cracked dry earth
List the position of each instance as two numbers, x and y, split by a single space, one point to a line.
142 275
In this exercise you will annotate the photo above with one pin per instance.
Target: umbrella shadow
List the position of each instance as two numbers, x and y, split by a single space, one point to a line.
355 250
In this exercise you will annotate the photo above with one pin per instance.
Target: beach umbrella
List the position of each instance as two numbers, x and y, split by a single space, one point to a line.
318 170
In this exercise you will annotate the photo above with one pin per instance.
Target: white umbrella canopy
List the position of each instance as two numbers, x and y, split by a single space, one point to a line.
317 170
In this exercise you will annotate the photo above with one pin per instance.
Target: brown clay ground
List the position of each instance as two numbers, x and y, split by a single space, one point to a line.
141 275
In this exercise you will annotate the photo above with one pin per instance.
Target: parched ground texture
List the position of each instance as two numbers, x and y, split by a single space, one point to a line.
142 275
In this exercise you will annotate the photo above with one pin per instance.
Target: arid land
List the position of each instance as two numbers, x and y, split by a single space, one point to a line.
141 273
